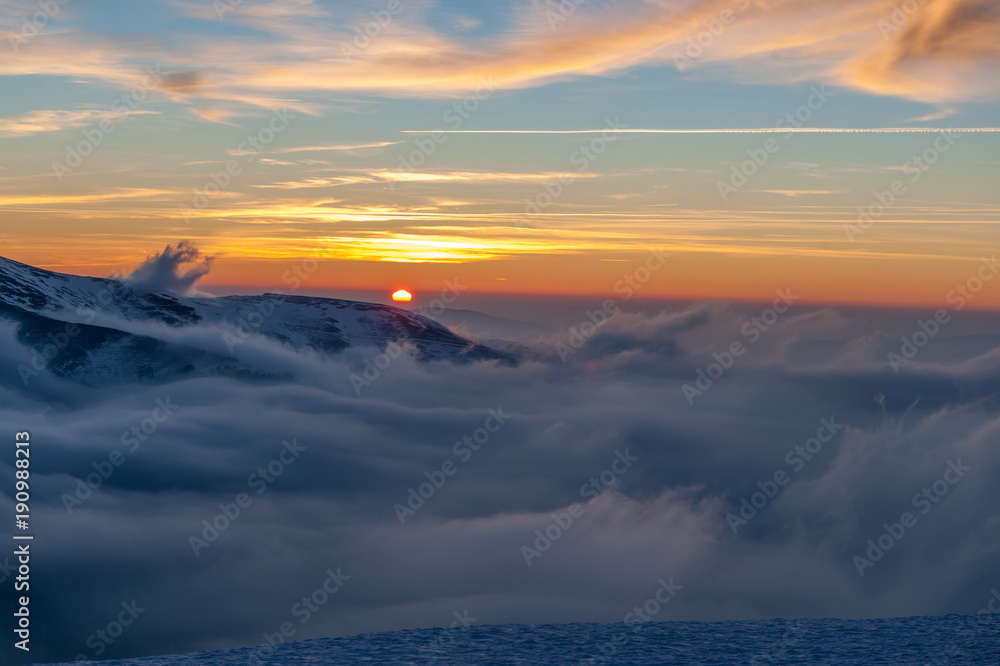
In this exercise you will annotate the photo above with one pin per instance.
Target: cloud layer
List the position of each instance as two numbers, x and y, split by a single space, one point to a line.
611 429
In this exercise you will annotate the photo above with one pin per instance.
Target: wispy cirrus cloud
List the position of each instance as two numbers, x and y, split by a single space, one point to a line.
348 147
940 114
37 122
382 176
314 182
800 193
945 51
475 177
55 199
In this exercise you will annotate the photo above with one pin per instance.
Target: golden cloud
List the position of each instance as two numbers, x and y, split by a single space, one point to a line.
932 50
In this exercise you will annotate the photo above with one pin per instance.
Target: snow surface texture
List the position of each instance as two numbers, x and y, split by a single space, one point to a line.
954 639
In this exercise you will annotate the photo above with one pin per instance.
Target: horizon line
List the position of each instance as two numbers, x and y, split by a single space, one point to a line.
419 295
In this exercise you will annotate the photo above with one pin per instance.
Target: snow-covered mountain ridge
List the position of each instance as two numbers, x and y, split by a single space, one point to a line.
102 330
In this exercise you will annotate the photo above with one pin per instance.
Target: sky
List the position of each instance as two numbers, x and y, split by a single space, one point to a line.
270 132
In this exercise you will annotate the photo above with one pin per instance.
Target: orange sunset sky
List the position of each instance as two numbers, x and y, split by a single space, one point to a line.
276 132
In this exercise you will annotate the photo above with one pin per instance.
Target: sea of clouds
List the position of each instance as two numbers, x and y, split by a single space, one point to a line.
569 486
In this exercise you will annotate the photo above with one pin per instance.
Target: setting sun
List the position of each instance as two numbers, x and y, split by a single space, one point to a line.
402 295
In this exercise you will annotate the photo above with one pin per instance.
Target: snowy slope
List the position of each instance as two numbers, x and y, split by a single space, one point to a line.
952 639
114 339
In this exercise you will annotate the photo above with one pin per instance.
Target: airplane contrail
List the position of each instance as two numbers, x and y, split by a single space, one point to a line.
758 130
